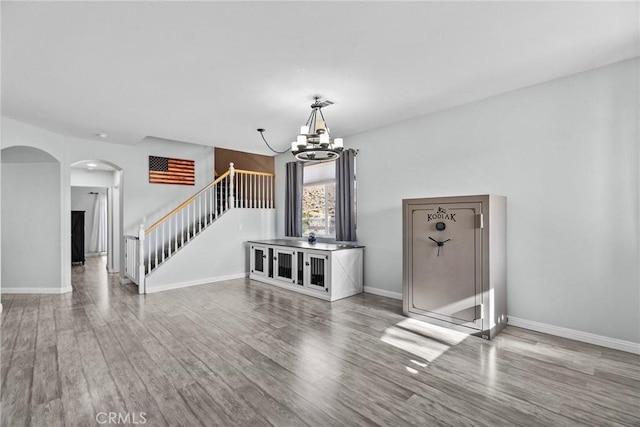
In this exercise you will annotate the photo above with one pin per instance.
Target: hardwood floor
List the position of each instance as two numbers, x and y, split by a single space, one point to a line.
241 353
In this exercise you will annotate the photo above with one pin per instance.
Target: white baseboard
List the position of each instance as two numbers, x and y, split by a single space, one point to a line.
614 343
153 289
94 254
19 290
383 292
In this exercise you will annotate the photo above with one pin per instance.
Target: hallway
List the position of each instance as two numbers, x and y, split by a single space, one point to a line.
242 353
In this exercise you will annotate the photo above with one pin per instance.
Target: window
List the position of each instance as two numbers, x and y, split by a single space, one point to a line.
319 199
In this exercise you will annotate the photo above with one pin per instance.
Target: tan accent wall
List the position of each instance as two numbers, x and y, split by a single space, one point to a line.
241 160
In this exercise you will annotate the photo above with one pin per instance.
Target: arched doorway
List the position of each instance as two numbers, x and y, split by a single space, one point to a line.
31 254
97 185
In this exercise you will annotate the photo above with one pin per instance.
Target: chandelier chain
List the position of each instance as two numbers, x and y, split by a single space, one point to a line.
270 148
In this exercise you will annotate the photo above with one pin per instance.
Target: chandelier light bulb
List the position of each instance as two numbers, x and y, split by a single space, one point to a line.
304 130
338 143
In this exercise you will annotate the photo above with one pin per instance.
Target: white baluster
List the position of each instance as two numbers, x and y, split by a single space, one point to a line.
188 221
141 273
211 199
155 249
224 186
176 232
209 204
205 212
215 200
162 242
232 175
193 218
242 191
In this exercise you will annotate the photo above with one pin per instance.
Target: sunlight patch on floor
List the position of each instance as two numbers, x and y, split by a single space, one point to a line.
426 341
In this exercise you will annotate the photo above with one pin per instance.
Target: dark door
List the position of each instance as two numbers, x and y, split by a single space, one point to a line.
77 236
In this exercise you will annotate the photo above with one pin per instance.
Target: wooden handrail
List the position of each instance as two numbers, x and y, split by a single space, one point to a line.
185 203
246 172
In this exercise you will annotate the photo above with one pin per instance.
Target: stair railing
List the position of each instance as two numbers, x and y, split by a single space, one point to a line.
178 227
235 188
254 190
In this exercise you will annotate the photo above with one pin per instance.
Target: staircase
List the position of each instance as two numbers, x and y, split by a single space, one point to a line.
156 244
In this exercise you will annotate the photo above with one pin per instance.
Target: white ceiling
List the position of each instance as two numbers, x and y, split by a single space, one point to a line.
213 72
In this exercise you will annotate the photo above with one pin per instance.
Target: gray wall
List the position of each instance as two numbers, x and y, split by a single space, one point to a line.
81 200
565 153
31 226
219 253
140 198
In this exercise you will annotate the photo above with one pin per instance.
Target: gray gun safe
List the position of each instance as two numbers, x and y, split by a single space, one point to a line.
454 255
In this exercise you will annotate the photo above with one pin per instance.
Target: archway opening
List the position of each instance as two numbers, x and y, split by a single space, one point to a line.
96 190
31 240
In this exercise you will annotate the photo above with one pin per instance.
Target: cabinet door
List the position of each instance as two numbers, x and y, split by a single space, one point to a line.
317 271
285 265
259 260
446 258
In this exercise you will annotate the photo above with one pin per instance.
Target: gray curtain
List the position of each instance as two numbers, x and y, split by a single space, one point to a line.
293 200
346 196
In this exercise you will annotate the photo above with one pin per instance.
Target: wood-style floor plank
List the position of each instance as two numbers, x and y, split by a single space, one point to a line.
242 353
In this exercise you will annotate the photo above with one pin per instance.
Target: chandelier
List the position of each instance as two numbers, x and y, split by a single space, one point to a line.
314 143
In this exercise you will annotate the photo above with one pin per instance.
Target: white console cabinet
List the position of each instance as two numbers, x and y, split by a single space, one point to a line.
322 270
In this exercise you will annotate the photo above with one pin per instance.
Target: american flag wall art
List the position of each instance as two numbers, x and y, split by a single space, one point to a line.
163 170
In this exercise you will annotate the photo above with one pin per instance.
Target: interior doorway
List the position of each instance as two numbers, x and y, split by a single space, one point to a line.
96 190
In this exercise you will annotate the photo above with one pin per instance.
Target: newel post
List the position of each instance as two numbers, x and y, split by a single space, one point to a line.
232 174
141 273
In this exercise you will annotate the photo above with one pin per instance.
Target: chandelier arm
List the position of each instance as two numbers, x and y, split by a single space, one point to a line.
311 120
265 141
326 128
